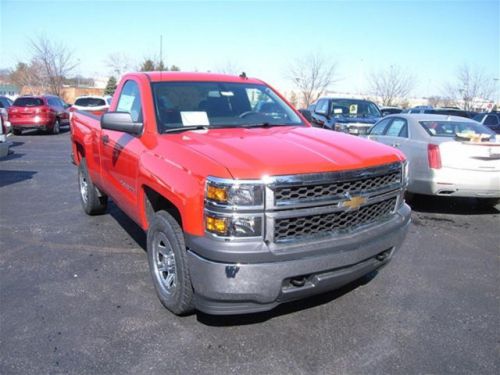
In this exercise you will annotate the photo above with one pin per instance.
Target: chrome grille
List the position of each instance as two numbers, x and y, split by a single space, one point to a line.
298 228
335 190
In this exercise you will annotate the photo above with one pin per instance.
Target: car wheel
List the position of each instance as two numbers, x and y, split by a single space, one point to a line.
56 128
16 131
93 202
167 258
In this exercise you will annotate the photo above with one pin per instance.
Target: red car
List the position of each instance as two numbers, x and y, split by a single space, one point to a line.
46 112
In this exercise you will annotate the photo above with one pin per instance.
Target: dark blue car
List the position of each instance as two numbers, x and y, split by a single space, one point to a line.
353 116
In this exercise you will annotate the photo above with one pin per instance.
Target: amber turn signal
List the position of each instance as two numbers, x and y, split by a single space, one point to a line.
215 193
216 225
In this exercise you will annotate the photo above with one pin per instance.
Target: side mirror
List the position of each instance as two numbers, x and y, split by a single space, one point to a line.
67 105
122 122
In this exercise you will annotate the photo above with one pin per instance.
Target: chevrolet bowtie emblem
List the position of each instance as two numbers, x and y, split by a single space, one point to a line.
353 203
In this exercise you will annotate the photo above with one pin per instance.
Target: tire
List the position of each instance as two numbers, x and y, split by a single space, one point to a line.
93 203
168 264
56 128
16 131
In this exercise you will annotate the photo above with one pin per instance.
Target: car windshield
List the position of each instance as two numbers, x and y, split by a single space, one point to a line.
455 129
28 102
90 102
479 117
219 104
354 108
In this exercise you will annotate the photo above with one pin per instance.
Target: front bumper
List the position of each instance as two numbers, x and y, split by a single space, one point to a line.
238 288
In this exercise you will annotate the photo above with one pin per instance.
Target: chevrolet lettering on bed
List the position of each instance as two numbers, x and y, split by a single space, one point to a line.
245 204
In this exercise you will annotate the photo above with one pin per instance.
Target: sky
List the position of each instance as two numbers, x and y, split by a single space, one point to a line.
428 39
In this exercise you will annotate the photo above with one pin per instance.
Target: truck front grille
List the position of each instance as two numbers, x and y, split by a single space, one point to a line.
290 195
299 228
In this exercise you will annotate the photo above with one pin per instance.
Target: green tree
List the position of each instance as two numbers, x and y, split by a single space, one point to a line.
110 86
161 67
147 66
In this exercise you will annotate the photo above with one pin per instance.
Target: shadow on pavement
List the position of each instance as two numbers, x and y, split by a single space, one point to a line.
284 309
12 177
133 230
449 205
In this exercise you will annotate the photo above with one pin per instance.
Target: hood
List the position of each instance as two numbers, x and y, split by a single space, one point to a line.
257 152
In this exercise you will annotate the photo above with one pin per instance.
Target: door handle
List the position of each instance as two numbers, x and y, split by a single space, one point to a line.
395 145
105 139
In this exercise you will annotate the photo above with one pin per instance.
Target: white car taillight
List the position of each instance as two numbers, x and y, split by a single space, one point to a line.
434 156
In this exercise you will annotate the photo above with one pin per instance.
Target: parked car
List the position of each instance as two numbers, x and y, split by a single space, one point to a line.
490 119
390 110
46 112
5 104
245 205
92 104
4 145
448 156
353 116
441 111
306 113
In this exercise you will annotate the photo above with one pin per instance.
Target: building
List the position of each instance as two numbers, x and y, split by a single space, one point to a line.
11 91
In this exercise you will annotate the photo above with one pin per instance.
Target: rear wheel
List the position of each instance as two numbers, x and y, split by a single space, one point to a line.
168 264
16 131
93 202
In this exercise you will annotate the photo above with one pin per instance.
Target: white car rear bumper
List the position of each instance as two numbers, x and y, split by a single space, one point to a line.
459 183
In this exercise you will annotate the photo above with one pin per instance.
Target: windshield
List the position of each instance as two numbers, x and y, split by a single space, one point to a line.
354 108
218 104
455 129
28 102
90 102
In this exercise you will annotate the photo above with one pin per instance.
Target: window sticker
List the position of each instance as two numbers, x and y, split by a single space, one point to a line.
353 109
193 118
337 111
125 104
227 93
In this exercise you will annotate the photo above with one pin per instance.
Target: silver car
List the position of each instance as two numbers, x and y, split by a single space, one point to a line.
447 155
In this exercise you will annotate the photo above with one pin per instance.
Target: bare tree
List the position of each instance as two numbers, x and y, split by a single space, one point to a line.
391 84
29 77
119 63
441 101
230 67
471 85
56 62
312 75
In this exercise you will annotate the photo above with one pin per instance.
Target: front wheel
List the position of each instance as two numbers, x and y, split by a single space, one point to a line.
16 131
93 202
56 128
168 264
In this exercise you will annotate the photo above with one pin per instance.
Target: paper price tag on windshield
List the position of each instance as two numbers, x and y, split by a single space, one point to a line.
193 118
353 109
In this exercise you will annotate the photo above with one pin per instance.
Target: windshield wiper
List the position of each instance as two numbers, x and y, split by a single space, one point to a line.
261 125
186 128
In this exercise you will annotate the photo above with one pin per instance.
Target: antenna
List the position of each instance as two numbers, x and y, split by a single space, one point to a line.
161 56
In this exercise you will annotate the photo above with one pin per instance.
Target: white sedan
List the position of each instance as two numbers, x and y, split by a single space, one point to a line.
447 155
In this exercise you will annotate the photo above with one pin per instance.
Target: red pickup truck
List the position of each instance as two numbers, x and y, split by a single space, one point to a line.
245 204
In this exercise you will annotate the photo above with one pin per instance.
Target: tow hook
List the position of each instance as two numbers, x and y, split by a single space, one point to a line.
298 281
383 255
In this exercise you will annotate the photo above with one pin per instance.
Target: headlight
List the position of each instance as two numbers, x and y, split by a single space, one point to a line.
234 193
233 225
234 208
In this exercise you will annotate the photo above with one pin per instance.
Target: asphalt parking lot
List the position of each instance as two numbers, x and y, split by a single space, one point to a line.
76 295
